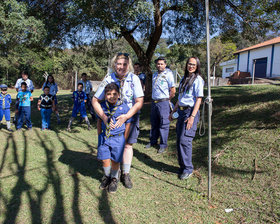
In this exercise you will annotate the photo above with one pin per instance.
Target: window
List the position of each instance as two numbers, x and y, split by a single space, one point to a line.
230 69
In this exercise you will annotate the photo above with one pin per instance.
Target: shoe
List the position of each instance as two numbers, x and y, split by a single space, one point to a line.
125 179
113 186
185 175
10 130
105 181
149 145
68 129
161 150
89 128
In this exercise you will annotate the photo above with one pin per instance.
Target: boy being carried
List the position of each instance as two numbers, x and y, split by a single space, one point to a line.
111 139
80 99
5 104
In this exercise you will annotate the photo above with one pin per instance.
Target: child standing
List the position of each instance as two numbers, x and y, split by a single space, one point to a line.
80 99
24 109
46 106
53 91
5 104
111 138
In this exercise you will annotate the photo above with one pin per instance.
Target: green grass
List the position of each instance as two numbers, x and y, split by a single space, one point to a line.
53 176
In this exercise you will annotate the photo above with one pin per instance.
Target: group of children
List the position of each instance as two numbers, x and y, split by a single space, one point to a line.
111 140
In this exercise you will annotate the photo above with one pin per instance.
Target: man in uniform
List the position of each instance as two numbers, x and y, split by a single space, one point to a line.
163 90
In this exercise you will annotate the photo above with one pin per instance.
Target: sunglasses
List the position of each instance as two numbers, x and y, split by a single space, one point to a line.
124 54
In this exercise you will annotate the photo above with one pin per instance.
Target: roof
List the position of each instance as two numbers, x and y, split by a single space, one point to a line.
263 44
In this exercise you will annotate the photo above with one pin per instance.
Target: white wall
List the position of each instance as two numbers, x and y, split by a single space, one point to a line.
243 58
227 74
276 61
264 52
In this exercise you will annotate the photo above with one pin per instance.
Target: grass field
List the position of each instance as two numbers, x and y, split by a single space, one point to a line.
53 176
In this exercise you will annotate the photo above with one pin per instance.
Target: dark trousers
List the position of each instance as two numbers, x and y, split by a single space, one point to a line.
90 107
160 123
24 112
46 117
184 140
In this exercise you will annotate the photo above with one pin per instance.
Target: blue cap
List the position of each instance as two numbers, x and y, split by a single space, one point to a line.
3 86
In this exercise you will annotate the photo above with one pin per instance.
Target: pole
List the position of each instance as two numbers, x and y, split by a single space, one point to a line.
214 75
254 70
76 80
208 100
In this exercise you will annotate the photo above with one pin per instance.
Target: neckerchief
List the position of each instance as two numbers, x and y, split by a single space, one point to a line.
3 104
111 113
121 81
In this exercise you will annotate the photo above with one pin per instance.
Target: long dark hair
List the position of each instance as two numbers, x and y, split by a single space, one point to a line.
47 82
188 79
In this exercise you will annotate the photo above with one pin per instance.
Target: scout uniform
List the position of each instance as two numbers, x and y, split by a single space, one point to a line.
162 82
24 109
186 102
111 142
79 104
130 89
5 104
87 87
46 109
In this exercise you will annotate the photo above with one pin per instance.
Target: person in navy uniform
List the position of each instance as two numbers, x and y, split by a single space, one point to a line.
131 93
138 71
112 141
53 91
5 104
163 90
46 105
79 98
87 88
189 100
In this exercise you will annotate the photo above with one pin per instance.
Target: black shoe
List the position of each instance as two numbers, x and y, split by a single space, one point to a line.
125 178
105 181
161 150
113 186
185 175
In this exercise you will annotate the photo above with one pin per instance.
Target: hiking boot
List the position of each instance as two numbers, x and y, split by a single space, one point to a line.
113 186
125 178
105 181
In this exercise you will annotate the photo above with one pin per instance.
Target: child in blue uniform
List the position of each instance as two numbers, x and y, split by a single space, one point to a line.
112 139
5 104
46 105
24 98
80 99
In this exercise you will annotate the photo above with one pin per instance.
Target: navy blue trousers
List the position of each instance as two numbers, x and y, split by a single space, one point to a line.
160 123
24 112
184 140
46 117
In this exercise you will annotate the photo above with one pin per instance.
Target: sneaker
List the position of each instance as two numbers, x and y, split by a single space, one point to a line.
149 145
89 128
161 150
105 181
125 178
113 186
185 175
68 129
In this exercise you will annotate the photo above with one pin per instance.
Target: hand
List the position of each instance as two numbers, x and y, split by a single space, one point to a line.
189 122
170 117
112 126
105 119
120 120
39 108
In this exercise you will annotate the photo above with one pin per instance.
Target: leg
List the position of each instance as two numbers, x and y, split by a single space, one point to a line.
56 110
155 122
48 118
43 115
164 111
70 123
28 117
127 159
87 121
113 186
20 118
106 178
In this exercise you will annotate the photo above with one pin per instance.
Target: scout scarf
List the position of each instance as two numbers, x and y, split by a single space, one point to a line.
121 81
111 113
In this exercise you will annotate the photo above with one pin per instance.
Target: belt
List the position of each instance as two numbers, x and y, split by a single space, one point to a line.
116 135
184 108
160 100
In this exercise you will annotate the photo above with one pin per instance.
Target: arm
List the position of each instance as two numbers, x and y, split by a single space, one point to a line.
38 104
99 123
133 110
127 129
98 110
172 92
194 112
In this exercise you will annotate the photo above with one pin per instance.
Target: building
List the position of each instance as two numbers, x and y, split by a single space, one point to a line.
265 56
228 67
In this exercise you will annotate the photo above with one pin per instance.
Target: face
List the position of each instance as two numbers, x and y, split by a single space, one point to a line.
161 65
46 91
121 67
80 88
84 78
136 69
4 91
23 87
50 79
112 96
24 76
192 65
